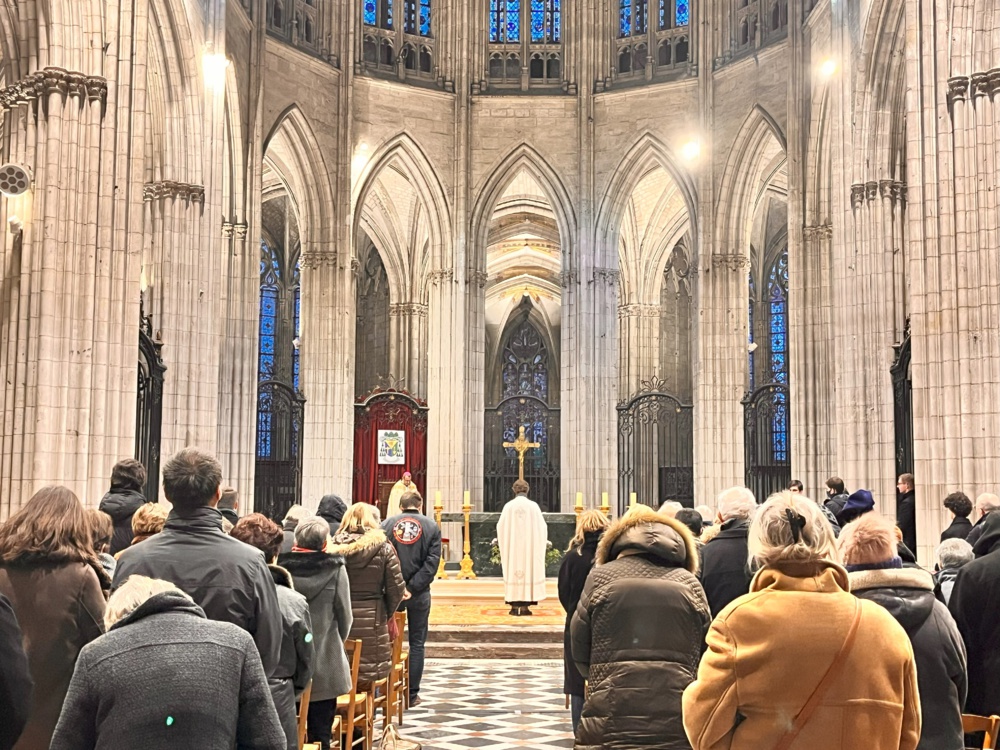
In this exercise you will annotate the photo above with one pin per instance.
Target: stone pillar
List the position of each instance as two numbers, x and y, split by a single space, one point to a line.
407 350
639 347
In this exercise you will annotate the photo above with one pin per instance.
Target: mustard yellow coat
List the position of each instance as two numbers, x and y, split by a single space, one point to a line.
767 652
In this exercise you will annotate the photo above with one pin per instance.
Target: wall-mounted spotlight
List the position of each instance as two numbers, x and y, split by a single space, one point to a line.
14 180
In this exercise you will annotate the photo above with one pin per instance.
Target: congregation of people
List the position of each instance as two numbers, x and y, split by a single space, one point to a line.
788 624
132 626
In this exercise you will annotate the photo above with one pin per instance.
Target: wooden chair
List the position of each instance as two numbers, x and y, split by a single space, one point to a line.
397 676
355 708
988 724
304 713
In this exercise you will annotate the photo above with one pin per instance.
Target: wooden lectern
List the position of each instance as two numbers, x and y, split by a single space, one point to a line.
384 490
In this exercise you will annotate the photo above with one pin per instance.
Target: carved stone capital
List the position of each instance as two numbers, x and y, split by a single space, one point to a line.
479 278
637 310
606 275
731 261
885 189
55 80
97 88
994 78
408 309
981 85
568 278
240 231
76 84
355 266
871 190
818 231
314 259
227 230
857 195
958 88
441 277
172 189
899 192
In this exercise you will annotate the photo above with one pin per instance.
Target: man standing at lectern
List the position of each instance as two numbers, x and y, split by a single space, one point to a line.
523 536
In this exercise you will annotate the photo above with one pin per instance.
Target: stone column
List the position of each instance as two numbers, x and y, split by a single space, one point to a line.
639 347
407 350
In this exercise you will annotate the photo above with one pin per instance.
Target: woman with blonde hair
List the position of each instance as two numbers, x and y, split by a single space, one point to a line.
376 584
573 574
51 575
799 662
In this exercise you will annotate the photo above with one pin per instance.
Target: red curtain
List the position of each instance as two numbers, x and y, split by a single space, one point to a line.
388 411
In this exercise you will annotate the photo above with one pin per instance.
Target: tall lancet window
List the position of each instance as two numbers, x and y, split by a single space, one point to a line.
769 343
525 43
398 38
653 38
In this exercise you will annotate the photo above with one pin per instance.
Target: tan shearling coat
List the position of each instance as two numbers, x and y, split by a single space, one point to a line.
767 652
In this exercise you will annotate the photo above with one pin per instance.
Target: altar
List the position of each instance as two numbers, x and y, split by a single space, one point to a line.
483 546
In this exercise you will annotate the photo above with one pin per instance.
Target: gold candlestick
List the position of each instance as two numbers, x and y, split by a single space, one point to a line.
438 510
605 508
466 573
579 506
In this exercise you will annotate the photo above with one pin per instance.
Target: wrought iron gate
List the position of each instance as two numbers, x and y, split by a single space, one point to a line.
766 440
280 421
541 465
902 394
655 448
149 408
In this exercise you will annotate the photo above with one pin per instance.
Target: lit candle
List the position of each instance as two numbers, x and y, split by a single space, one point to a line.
468 497
604 499
579 500
632 497
437 499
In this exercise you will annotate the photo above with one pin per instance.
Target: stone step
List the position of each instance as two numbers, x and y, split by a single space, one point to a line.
474 635
446 650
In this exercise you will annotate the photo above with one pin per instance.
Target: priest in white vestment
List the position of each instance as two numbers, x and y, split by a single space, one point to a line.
399 489
523 537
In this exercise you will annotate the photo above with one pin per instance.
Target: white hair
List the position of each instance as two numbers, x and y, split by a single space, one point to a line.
771 540
670 508
707 513
312 533
954 553
132 594
736 502
296 513
987 502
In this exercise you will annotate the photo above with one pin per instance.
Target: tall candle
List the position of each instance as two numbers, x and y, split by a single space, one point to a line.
632 497
579 499
468 497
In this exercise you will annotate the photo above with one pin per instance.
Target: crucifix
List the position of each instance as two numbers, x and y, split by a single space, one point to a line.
522 446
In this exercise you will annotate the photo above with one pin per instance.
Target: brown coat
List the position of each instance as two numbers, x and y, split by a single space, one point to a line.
376 590
60 609
769 649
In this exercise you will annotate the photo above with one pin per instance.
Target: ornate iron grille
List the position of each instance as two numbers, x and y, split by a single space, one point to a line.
655 448
280 421
766 439
902 394
149 407
541 465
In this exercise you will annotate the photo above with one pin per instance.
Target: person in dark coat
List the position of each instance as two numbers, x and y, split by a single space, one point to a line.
50 576
952 555
726 572
128 480
417 541
986 503
906 510
836 496
292 517
377 587
961 508
322 579
573 572
975 605
859 503
298 657
226 578
332 508
638 633
229 505
165 677
15 679
876 573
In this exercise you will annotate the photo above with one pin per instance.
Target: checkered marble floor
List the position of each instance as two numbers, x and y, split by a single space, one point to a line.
493 705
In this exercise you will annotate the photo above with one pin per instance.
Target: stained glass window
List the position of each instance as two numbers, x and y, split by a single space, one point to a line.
505 21
753 302
369 12
625 17
779 428
425 17
268 326
379 12
526 364
683 14
777 297
417 17
633 17
553 21
297 328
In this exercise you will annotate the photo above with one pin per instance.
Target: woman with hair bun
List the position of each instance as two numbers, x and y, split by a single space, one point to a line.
799 662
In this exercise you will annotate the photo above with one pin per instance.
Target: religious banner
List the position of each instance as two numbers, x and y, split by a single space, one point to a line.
392 447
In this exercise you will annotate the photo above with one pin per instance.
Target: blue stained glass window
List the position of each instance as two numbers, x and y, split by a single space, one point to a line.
753 297
641 17
625 17
683 15
537 20
513 21
779 428
425 17
662 18
264 406
296 329
268 321
777 288
387 14
369 10
496 20
553 24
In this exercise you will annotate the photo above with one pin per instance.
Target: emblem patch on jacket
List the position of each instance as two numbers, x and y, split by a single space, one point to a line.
407 531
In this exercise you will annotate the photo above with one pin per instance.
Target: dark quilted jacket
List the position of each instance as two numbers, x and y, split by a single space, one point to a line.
638 634
376 591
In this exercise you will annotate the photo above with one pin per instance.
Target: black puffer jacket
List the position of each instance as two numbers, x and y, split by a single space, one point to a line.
726 572
298 656
908 594
332 509
376 590
121 505
975 605
638 634
225 577
835 504
576 566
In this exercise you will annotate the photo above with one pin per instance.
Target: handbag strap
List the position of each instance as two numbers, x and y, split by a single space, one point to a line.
832 672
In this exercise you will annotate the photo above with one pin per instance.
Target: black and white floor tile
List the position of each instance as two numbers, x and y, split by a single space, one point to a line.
491 705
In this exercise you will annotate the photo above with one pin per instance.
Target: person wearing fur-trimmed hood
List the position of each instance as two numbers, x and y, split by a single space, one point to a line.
377 587
638 633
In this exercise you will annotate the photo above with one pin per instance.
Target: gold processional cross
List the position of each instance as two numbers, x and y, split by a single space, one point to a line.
522 446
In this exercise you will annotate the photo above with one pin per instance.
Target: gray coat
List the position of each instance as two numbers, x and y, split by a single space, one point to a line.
164 677
298 654
322 579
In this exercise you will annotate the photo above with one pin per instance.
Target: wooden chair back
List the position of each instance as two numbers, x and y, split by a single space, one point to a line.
355 707
304 713
988 724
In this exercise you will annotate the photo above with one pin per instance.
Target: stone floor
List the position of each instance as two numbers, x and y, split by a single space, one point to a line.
491 704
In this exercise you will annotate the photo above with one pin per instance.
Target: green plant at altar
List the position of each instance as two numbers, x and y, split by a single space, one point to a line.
553 557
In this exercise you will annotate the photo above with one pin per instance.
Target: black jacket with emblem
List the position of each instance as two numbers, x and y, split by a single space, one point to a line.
908 594
417 541
638 634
